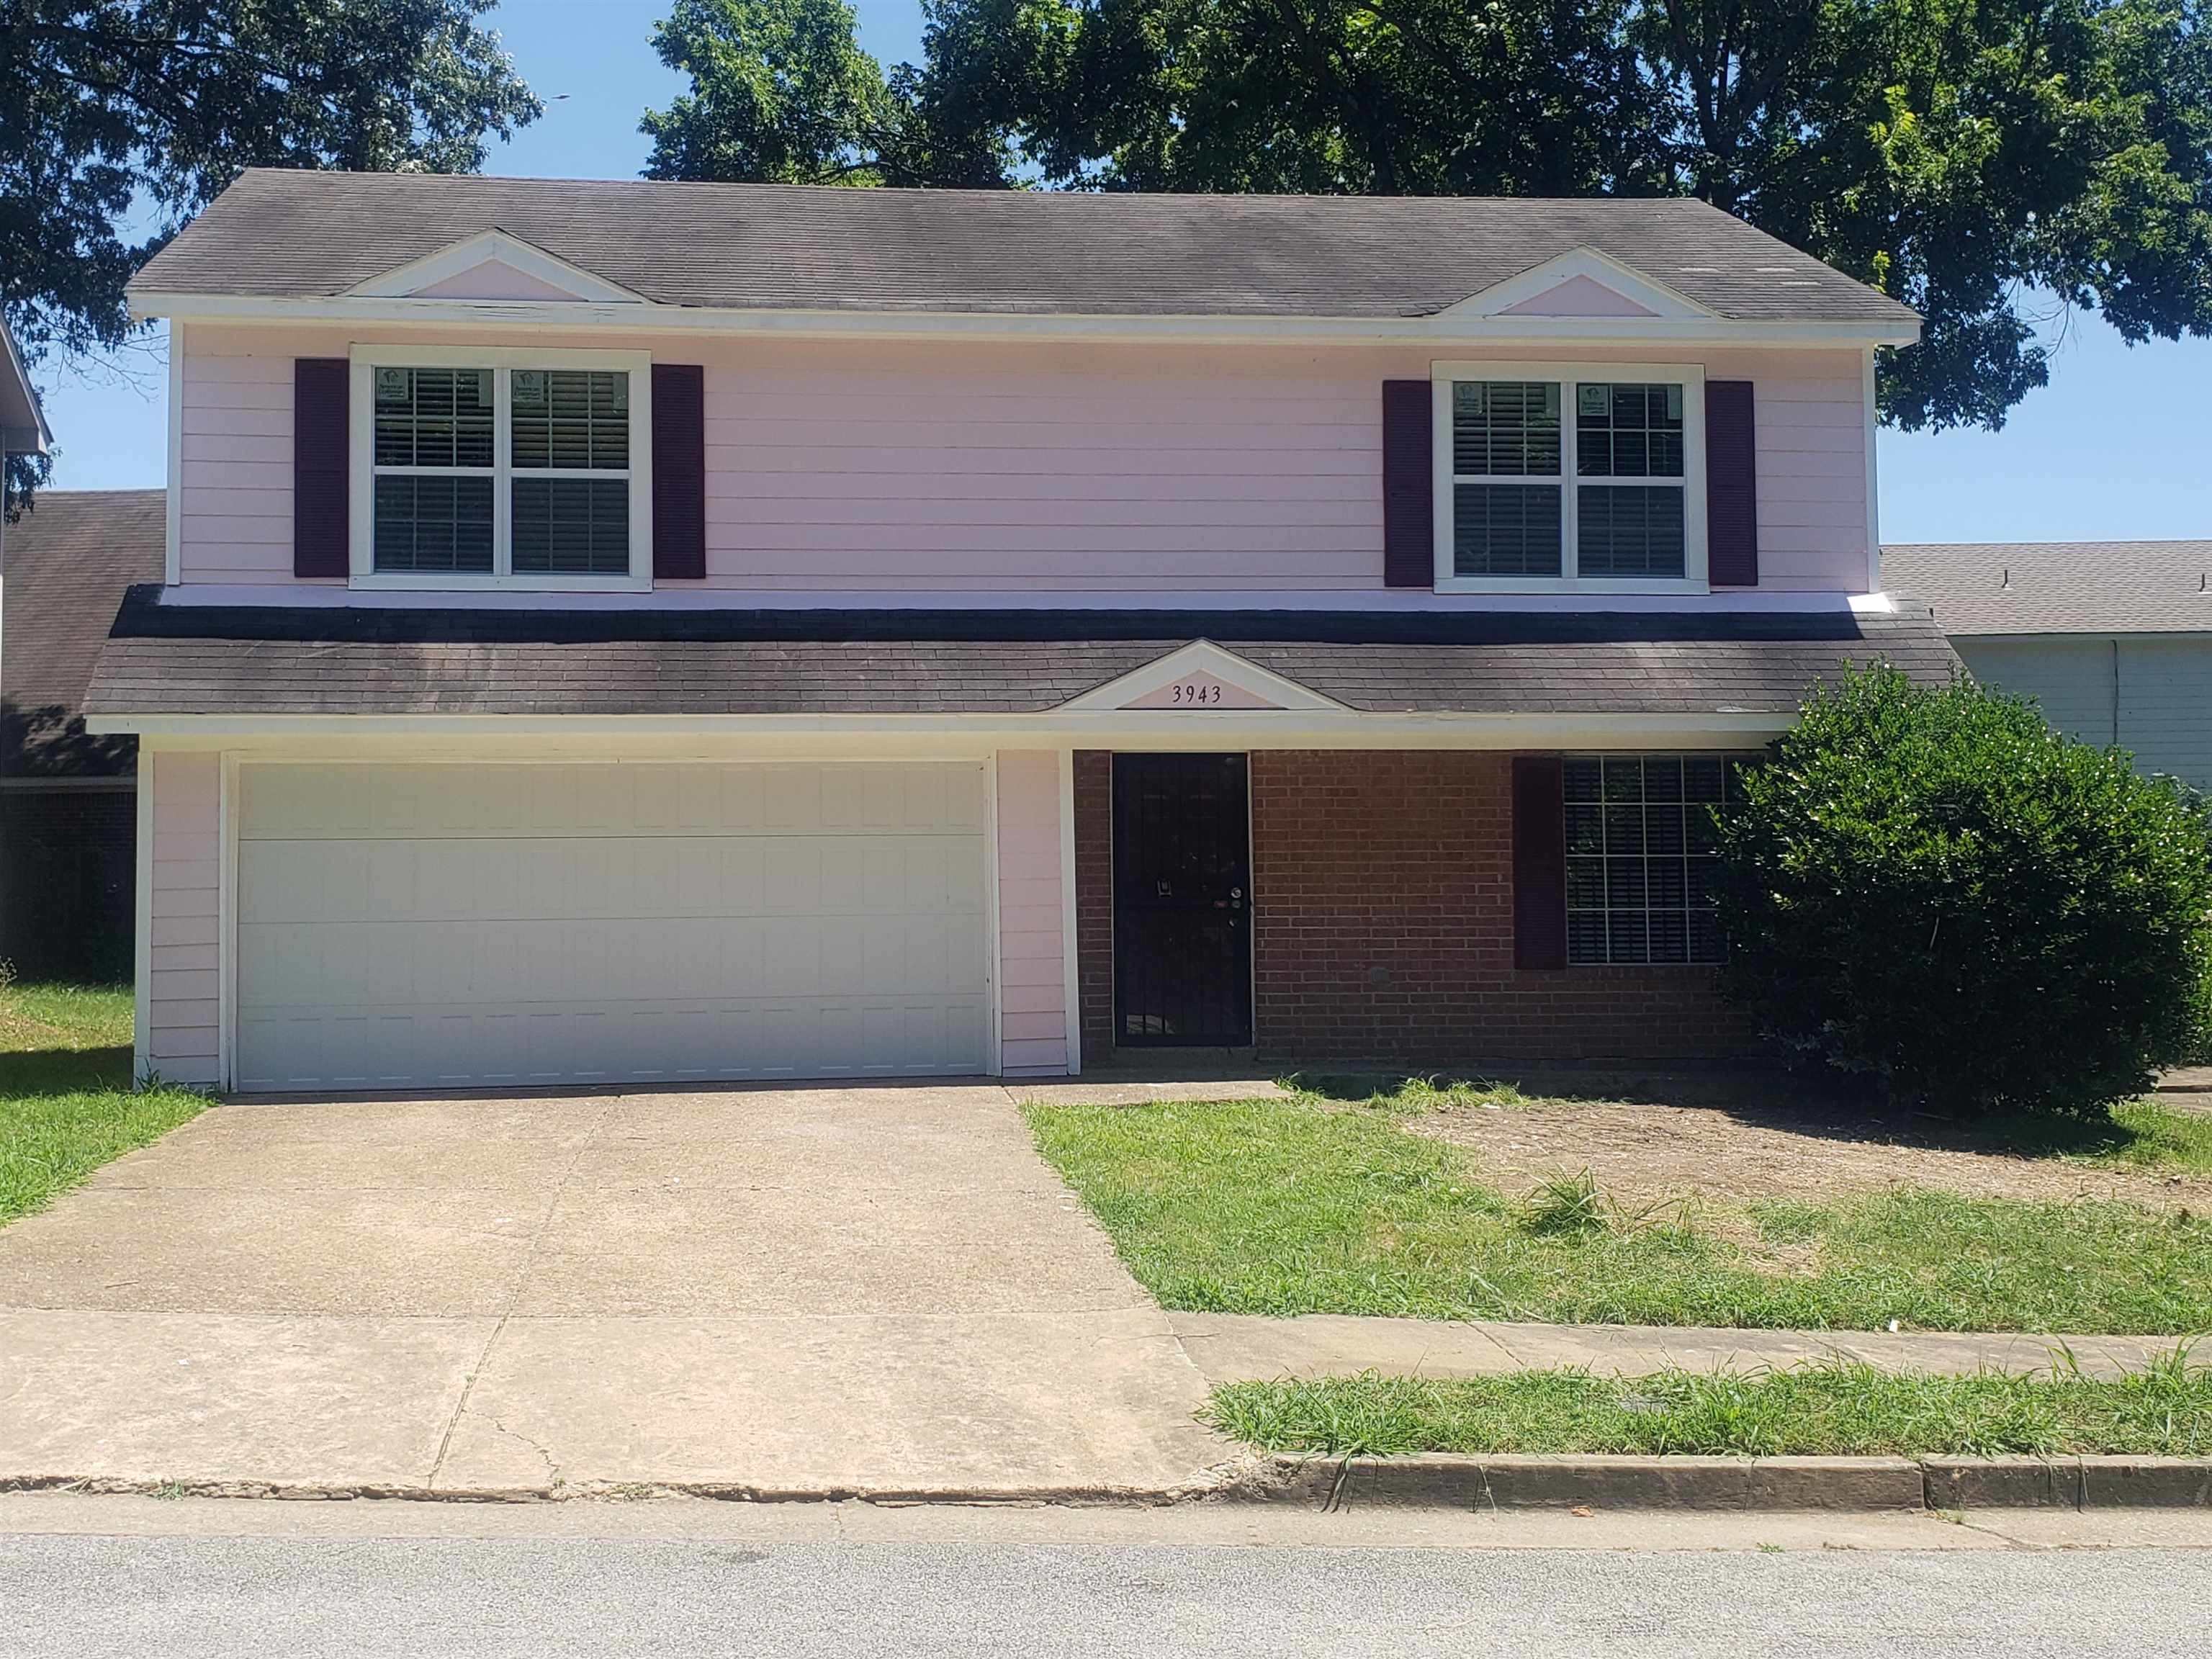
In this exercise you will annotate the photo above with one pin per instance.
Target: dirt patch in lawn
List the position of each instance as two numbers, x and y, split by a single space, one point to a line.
1641 1151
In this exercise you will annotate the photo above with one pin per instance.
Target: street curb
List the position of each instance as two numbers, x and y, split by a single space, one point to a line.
1608 1482
1856 1484
1832 1485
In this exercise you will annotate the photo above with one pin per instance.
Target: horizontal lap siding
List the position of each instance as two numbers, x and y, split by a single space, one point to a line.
1043 470
2071 679
1383 895
184 965
841 465
2166 707
236 519
1033 952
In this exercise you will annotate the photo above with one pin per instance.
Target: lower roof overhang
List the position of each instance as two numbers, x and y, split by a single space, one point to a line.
277 675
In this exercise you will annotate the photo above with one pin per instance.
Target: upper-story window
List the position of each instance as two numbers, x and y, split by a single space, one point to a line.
513 468
1570 476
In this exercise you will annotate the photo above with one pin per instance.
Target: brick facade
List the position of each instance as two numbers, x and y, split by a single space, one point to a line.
1382 887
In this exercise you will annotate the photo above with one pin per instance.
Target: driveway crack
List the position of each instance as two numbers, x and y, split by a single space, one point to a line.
514 1300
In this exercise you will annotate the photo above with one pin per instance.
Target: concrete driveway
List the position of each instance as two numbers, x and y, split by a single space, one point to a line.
873 1289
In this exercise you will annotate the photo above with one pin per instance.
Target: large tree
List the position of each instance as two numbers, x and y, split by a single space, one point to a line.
1972 157
120 118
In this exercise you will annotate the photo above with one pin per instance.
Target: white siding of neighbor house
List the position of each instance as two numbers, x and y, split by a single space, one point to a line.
184 965
2152 697
848 466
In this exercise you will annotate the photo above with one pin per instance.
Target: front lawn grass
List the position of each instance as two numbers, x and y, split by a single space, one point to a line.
1287 1207
66 1101
1824 1410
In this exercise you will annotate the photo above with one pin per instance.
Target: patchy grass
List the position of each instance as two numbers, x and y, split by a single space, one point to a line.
66 1101
2145 1135
1283 1208
1841 1410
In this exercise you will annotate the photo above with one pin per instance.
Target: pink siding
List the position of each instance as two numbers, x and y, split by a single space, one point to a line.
493 279
1579 296
185 961
859 466
236 519
1032 947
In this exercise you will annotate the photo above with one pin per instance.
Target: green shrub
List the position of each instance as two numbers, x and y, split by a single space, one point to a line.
1930 887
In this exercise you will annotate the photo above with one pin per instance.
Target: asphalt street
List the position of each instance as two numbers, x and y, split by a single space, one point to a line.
90 1596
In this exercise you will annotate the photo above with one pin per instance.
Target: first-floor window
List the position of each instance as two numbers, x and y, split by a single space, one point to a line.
1556 478
500 471
1642 848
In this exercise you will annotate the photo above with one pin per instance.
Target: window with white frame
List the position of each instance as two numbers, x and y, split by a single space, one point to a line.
1556 477
501 467
1642 848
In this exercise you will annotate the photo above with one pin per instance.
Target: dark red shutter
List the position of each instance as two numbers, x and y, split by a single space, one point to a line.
1731 486
1540 863
679 472
1409 504
321 435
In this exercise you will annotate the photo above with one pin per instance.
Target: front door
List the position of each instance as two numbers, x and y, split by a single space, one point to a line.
1182 902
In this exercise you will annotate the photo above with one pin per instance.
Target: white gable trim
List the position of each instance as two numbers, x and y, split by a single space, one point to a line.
1203 663
1662 301
500 247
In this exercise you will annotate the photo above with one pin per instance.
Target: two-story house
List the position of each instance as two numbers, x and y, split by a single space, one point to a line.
630 631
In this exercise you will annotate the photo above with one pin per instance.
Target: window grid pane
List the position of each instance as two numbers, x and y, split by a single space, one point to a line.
1505 428
1642 848
433 418
572 527
571 420
1505 529
1628 431
1629 530
433 523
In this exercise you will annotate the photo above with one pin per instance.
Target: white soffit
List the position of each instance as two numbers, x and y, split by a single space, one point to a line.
1202 677
495 265
1580 282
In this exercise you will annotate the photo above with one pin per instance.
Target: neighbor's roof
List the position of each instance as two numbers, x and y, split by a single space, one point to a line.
309 235
209 660
70 559
2058 587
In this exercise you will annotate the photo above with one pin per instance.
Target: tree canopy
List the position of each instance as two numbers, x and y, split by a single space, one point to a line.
1964 155
122 112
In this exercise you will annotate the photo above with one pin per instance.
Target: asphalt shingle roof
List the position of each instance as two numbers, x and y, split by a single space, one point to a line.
2058 588
305 234
69 558
331 660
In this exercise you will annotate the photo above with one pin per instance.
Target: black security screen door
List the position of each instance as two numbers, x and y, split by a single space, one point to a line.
1182 902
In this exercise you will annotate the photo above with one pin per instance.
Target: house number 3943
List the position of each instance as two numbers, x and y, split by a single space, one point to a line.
1191 694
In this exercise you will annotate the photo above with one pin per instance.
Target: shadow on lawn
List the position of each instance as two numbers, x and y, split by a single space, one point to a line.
63 1071
1818 1108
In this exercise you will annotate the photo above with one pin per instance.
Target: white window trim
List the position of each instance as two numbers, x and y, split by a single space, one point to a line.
1691 379
361 468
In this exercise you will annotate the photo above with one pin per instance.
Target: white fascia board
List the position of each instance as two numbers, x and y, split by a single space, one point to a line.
543 316
505 248
1631 284
917 734
33 436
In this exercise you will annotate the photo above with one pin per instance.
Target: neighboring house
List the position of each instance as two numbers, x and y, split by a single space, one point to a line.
2113 639
634 631
67 817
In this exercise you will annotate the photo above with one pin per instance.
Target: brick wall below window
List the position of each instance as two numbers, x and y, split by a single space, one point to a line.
1382 883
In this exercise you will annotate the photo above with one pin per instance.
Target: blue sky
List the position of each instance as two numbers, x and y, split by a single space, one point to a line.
2115 446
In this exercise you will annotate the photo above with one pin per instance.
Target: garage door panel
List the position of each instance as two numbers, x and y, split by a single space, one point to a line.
419 925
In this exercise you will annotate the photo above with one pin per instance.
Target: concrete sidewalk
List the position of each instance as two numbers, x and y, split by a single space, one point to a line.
1242 1347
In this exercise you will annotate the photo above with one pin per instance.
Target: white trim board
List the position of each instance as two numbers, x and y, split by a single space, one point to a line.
1203 661
542 316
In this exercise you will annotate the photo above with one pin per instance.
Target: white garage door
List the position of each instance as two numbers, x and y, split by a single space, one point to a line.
465 925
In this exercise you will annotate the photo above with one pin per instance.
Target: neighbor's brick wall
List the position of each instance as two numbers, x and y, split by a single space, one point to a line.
1382 883
1094 900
